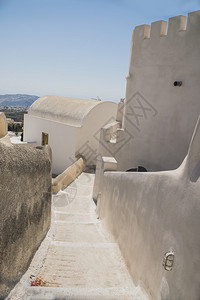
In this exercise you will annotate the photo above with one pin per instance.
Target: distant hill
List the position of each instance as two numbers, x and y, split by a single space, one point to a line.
17 99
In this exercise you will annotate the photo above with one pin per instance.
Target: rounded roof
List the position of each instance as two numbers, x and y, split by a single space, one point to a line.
71 111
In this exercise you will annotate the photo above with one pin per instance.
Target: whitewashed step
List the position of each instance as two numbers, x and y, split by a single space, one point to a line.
46 293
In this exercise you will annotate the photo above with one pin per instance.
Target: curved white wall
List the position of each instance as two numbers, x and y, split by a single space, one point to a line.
153 213
89 134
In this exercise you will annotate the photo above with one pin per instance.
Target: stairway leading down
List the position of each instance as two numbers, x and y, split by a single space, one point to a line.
81 260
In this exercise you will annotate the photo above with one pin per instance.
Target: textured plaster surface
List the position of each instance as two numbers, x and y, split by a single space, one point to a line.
25 214
3 125
71 111
82 261
153 213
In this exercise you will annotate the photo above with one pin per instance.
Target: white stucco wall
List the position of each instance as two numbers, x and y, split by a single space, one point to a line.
89 134
156 212
153 213
62 139
161 133
73 127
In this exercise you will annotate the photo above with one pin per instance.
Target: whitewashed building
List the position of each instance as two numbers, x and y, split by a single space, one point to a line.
154 215
70 126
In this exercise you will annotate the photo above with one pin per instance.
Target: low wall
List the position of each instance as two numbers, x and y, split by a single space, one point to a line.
153 213
68 176
110 143
25 214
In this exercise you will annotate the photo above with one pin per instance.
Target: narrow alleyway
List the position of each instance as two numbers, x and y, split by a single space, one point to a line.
82 260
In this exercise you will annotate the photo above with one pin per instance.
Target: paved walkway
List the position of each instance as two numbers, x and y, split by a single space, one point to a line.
82 261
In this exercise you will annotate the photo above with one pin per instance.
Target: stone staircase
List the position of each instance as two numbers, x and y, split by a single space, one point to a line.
82 261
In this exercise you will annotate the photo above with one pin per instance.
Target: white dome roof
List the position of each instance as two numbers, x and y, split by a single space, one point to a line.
71 111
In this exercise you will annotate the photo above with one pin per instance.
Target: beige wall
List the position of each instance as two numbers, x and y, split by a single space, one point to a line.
153 213
68 176
161 134
3 125
25 201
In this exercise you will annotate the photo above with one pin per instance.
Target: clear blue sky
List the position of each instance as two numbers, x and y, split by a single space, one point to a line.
76 48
